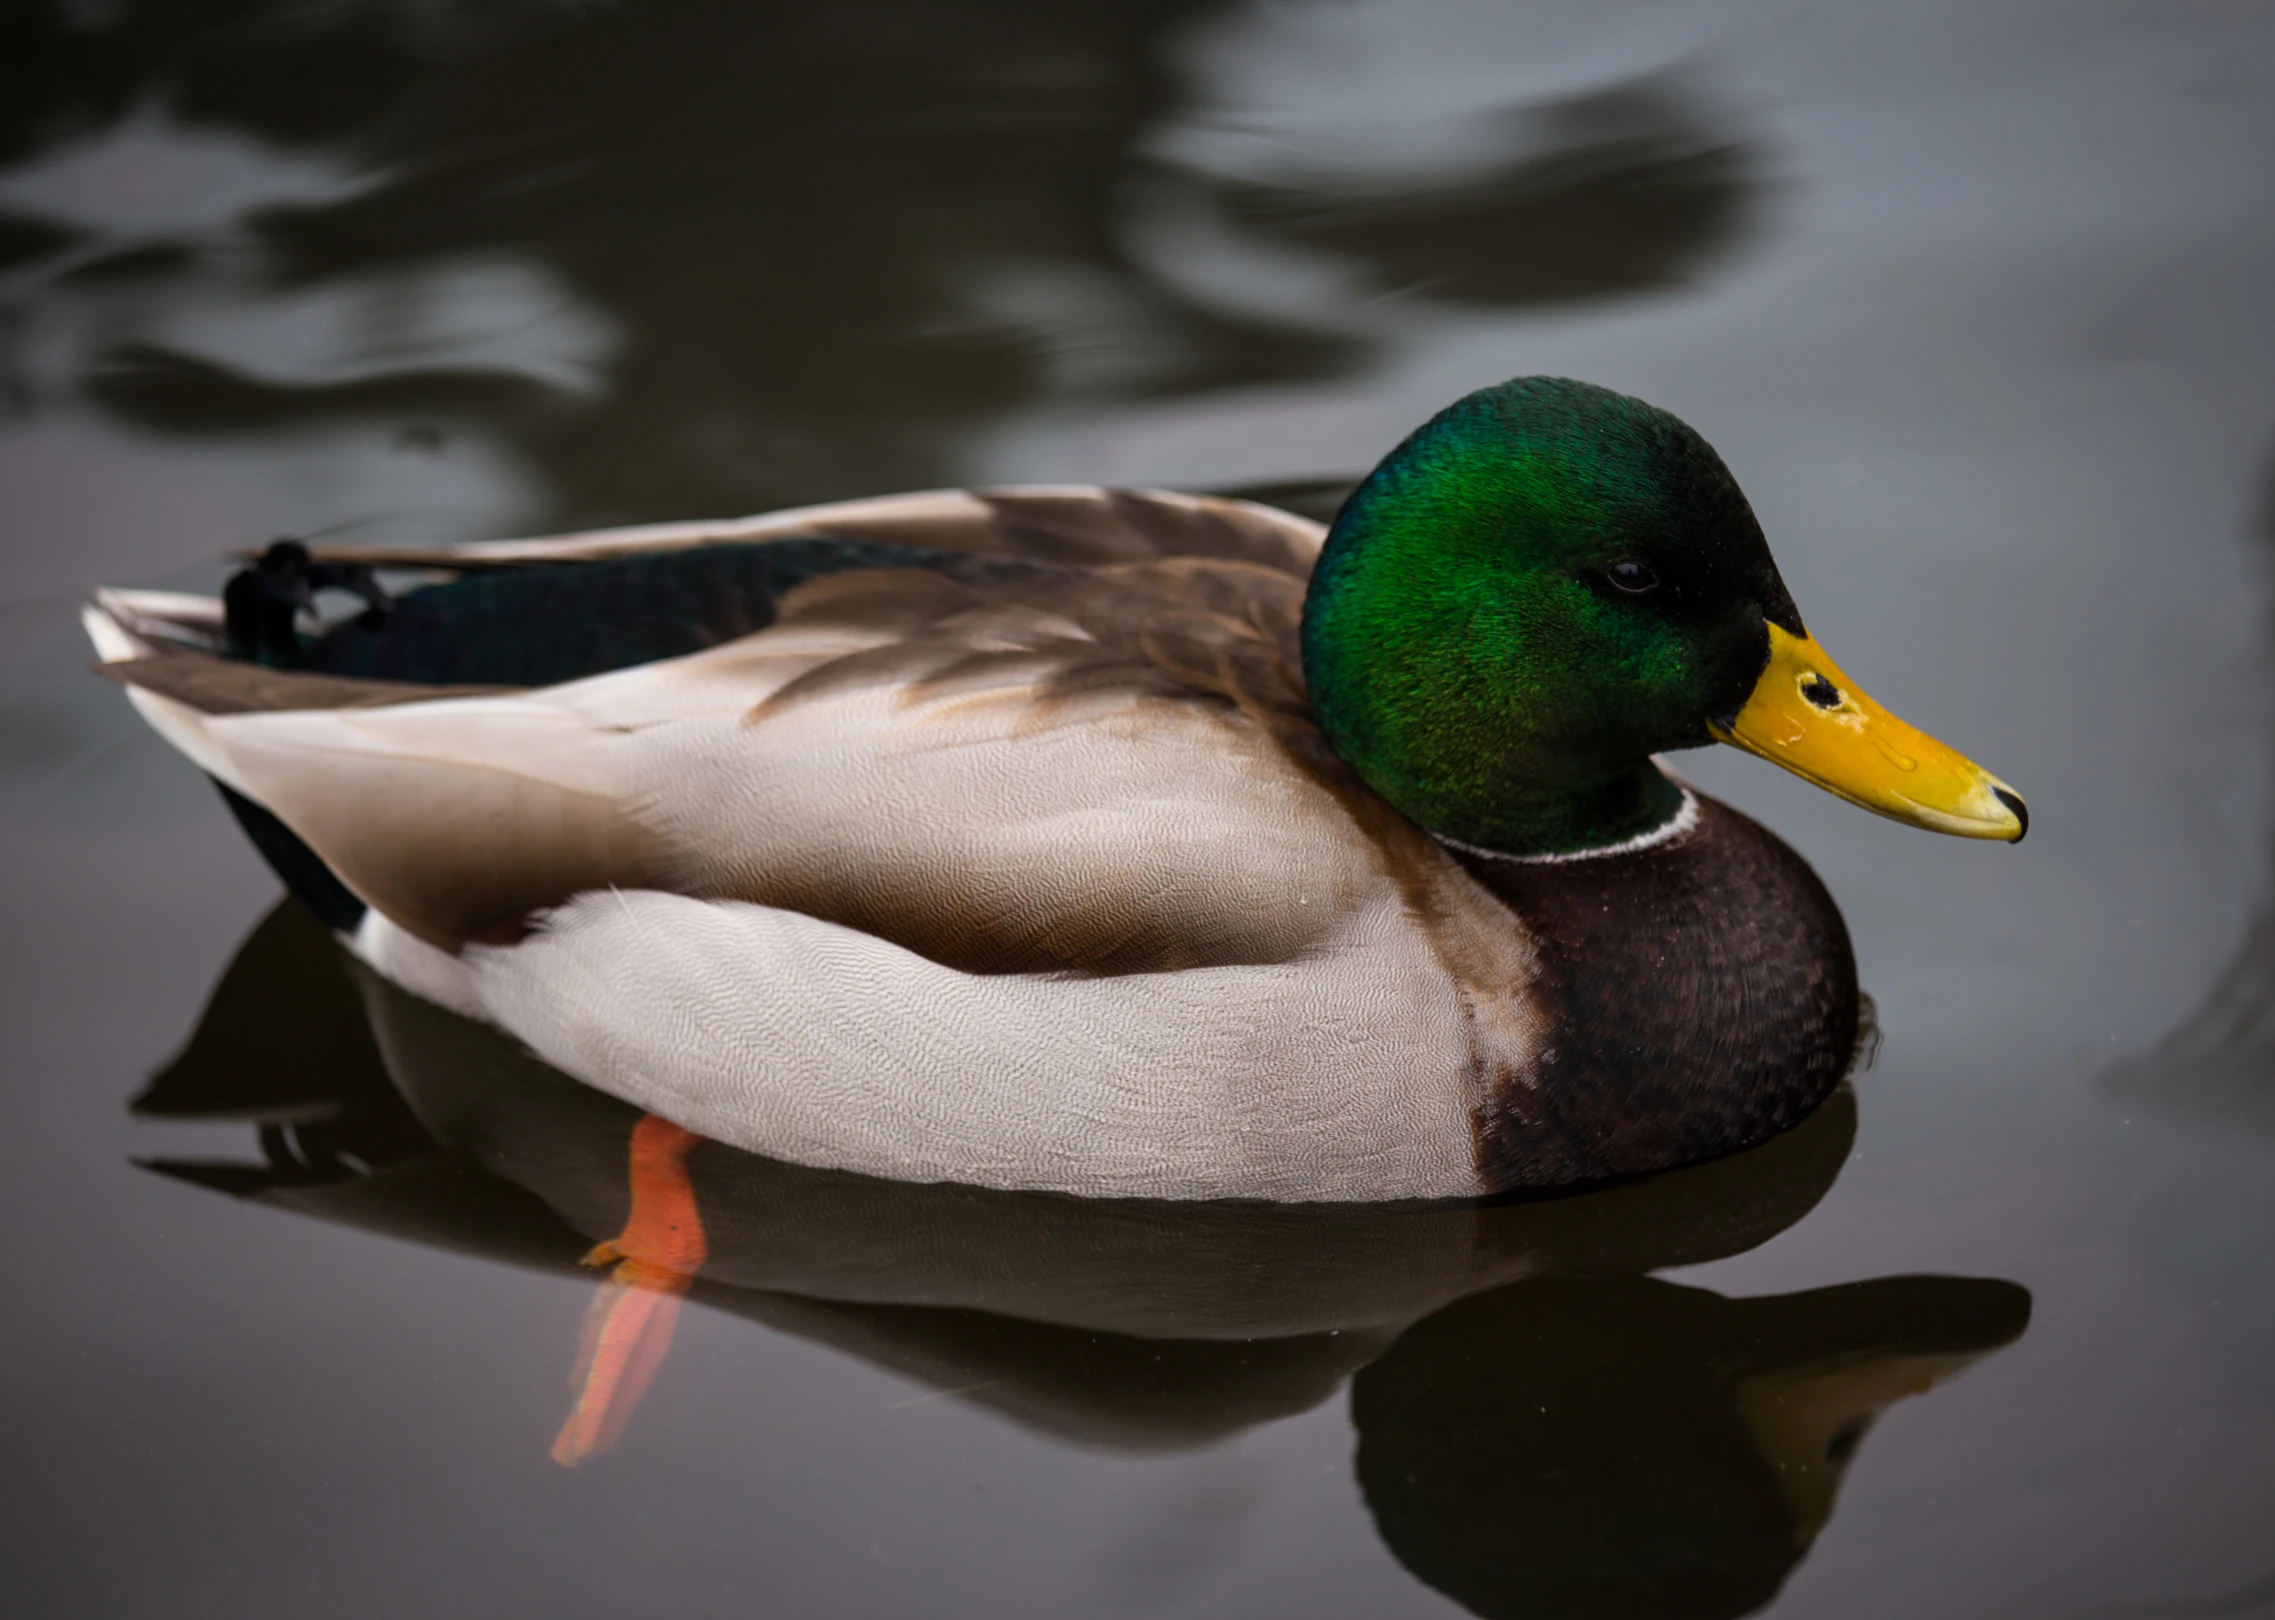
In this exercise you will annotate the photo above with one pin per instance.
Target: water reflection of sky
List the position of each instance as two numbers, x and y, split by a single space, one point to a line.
1970 296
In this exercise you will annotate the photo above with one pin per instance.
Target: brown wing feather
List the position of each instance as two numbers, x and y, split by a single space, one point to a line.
1208 637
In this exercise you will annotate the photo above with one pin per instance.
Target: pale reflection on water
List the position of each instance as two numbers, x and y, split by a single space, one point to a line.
1971 297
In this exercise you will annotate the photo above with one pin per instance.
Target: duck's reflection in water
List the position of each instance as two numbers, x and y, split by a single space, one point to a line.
1543 1429
1624 1446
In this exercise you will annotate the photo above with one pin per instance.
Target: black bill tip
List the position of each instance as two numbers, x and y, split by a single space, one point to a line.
2013 801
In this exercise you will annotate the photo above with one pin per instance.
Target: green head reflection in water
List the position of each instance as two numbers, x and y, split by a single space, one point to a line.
1626 1449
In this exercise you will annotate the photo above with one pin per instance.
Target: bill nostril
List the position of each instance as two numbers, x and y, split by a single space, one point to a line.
1823 693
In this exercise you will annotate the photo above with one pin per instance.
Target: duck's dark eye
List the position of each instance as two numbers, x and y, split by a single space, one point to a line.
1632 577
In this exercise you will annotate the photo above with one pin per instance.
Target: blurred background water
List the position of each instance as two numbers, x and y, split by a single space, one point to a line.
1974 298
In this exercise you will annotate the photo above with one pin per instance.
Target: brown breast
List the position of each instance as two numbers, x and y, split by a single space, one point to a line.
1695 998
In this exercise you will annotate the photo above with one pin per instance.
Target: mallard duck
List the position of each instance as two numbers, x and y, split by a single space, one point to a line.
1102 841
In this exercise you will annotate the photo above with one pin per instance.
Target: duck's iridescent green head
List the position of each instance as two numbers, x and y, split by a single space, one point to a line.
1549 582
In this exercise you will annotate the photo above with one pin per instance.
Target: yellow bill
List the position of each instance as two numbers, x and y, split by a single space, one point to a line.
1807 716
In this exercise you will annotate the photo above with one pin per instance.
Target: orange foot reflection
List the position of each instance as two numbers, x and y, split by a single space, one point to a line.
629 1324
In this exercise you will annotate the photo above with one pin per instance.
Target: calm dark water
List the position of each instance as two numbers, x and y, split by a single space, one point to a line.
1974 299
